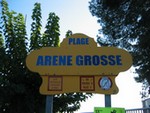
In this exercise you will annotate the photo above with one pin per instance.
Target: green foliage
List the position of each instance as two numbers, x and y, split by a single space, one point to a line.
18 86
125 24
1 38
51 34
145 90
69 33
12 79
69 102
36 25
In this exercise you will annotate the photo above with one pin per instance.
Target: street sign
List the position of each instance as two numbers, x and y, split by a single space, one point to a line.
79 55
108 110
78 65
105 83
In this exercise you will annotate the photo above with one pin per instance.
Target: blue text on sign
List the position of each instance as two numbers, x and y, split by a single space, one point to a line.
78 41
85 60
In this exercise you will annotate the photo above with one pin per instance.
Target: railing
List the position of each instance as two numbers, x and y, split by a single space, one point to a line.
138 110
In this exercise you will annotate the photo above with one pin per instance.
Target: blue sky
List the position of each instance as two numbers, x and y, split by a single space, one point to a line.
74 15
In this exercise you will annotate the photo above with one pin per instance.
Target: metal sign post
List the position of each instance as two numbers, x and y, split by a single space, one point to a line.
107 100
49 104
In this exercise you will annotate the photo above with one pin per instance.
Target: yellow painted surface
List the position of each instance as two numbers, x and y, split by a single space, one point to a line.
68 84
78 65
74 50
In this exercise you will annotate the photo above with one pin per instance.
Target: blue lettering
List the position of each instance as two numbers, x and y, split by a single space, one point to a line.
104 60
69 60
47 60
118 60
62 60
111 59
87 59
40 61
65 60
55 59
82 40
86 41
79 60
96 60
78 41
70 41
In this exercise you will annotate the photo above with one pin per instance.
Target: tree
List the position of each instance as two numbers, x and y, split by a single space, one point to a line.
51 34
69 102
12 86
36 25
125 24
18 86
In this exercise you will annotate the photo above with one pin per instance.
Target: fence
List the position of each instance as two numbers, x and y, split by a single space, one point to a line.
138 110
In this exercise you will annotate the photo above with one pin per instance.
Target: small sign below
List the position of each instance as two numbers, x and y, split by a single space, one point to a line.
108 110
55 83
87 83
105 83
65 84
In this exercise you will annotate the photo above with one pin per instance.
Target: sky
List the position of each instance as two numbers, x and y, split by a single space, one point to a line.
75 16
